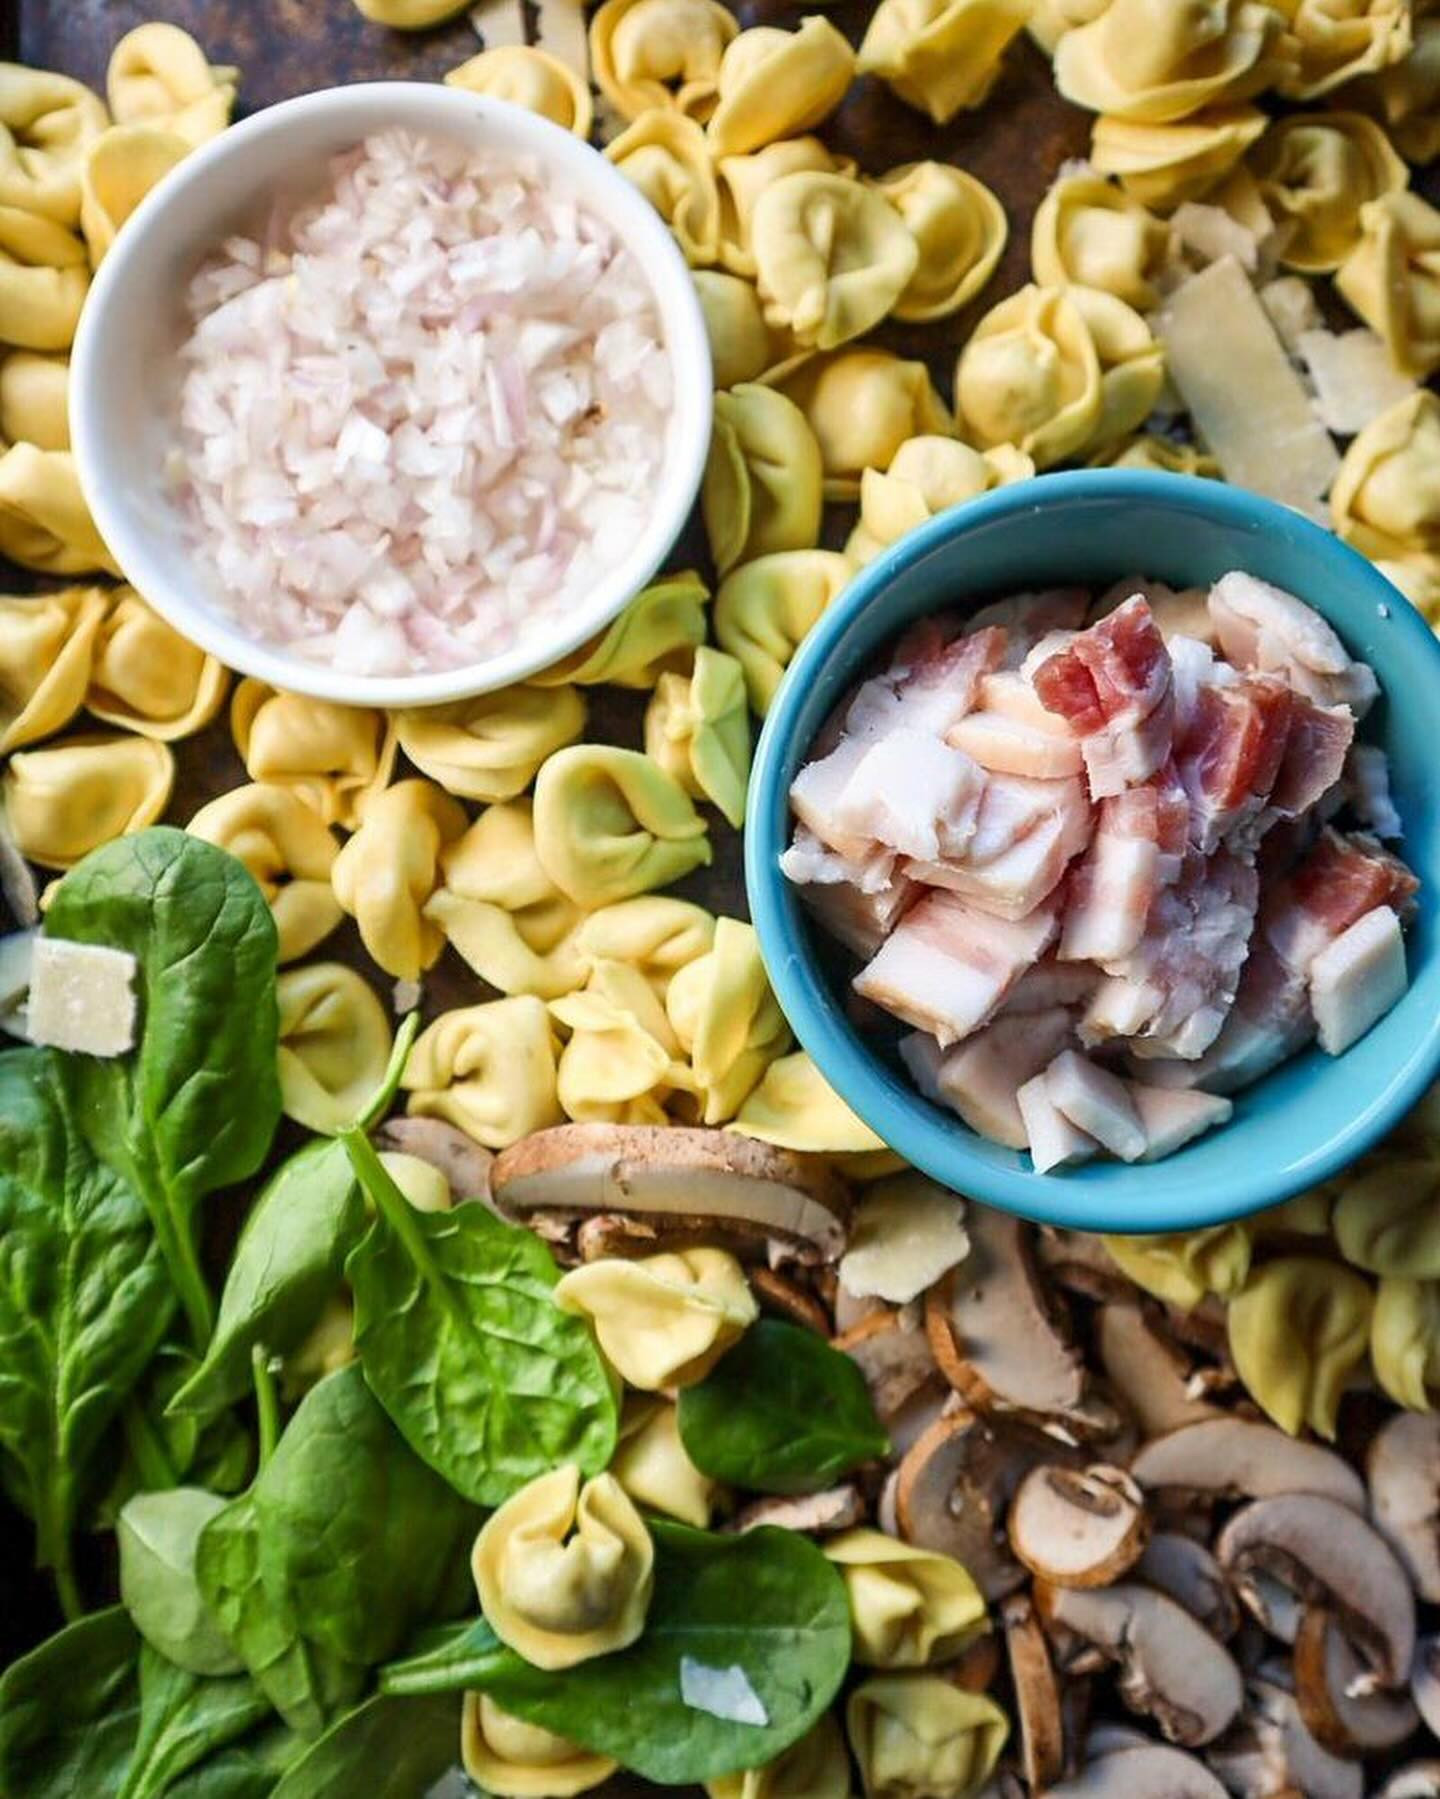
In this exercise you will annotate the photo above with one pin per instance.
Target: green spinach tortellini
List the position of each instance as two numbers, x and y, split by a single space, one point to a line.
609 824
727 1020
1386 1219
659 629
491 747
514 1760
909 1606
1298 1331
335 1042
1181 1267
764 609
762 488
698 730
1405 1341
916 1734
817 1767
740 341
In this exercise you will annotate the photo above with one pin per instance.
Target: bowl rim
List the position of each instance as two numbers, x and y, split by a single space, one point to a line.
635 222
805 997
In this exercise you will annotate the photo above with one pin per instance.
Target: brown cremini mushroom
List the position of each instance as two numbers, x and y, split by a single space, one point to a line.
819 1514
1078 1527
1425 1683
1235 1458
893 1354
1188 1572
465 1163
1403 1470
1037 1694
1148 1771
1336 1696
1272 1752
1148 1368
1419 1780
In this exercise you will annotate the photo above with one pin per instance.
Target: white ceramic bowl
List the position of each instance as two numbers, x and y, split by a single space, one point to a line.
122 386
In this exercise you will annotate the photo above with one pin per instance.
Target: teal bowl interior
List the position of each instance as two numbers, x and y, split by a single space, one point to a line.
1311 1116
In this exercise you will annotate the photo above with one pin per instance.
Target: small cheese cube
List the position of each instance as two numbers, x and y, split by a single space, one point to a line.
82 997
1355 980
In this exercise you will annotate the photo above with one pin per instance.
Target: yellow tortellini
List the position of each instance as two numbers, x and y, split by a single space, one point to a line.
1030 376
609 824
63 801
565 1571
1405 1341
647 53
328 1345
1297 1333
390 868
44 277
146 677
1392 279
744 178
727 1020
488 1069
862 404
34 400
46 121
1132 364
909 1607
47 644
159 75
1316 170
762 489
734 323
44 521
959 229
514 1760
1181 1267
491 747
666 156
662 1321
1093 234
335 757
409 15
287 849
1051 19
422 1183
1405 97
764 609
335 1043
926 475
1155 61
655 933
1165 164
652 1466
794 1107
698 730
940 55
831 257
916 1735
817 1767
530 77
121 167
621 1063
1386 1219
656 631
1336 40
1160 453
1386 498
775 84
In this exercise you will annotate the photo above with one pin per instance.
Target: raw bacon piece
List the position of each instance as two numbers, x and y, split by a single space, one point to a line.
1264 628
913 794
1013 883
1231 755
1341 880
809 862
1194 666
860 920
1053 1141
1115 883
1051 983
1027 617
1097 1103
1171 1117
946 966
1367 790
1177 613
1356 980
1314 759
979 1078
1113 683
815 794
1013 806
931 684
1010 694
1269 1022
1010 746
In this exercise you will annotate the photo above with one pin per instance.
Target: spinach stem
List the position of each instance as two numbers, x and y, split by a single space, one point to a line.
177 1244
267 1401
147 1448
388 1200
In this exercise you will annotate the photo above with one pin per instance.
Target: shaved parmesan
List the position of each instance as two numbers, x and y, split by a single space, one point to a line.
560 32
1247 402
1292 308
1354 377
498 23
906 1233
1209 233
82 997
724 1693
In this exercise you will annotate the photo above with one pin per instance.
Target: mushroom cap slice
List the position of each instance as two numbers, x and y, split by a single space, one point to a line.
1151 1771
1331 1689
728 1188
1080 1263
1037 1693
1328 1555
1237 1458
465 1163
1171 1668
1148 1368
1078 1527
1403 1468
893 1355
1425 1683
1419 1780
1272 1752
837 1508
790 1300
1186 1570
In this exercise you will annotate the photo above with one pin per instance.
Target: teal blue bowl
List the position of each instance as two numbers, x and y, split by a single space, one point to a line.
1309 1118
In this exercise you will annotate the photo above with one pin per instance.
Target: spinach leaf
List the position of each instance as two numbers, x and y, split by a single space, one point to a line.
195 1105
157 1535
248 1769
183 1719
154 1447
341 1546
69 1711
462 1343
781 1412
84 1300
767 1602
386 1749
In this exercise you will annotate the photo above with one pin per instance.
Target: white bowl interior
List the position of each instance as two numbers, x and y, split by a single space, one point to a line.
124 373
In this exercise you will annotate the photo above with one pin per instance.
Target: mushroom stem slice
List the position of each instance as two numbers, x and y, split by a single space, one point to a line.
821 1514
1235 1458
1425 1683
1419 1780
1037 1694
1272 1753
1078 1527
1185 1569
1334 1690
1403 1468
1151 1772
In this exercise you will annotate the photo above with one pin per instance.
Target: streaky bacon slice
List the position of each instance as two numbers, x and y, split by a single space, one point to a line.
1177 612
1012 746
1051 983
1264 628
816 793
1114 885
1010 694
912 793
1341 879
1013 883
1314 758
979 1078
860 903
1231 755
1113 683
809 862
1027 617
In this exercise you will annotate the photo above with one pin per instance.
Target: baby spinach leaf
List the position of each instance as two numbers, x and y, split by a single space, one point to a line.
767 1602
184 1718
69 1711
152 1447
782 1412
194 1106
462 1343
157 1535
386 1749
84 1300
248 1769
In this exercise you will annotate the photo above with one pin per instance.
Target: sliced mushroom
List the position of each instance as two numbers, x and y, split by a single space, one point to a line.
787 1299
1327 1555
1110 1738
1078 1527
821 1514
1170 1668
976 1666
1420 1780
1153 1771
885 1514
1235 1458
1272 1753
850 1311
1148 1368
465 1163
1404 1475
1037 1693
608 1234
1334 1690
1079 1262
895 1358
733 1190
1425 1683
1189 1573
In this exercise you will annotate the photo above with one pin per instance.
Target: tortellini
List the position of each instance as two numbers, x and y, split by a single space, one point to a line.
665 154
47 644
491 747
1163 454
530 77
1386 1219
764 609
63 801
762 488
1132 364
335 1042
1316 170
862 404
1297 1333
1093 234
1392 279
565 1571
1181 1267
1030 376
909 1606
916 1735
146 677
1386 498
335 757
328 1345
390 868
488 1069
514 1760
288 851
940 55
1165 164
662 1321
698 731
648 53
44 521
655 933
652 1466
1405 1341
775 84
817 1767
1051 19
1155 61
727 1020
422 1183
734 323
794 1107
34 400
744 178
621 1063
609 824
159 75
831 257
121 167
46 121
926 475
44 277
1336 40
409 15
959 229
657 630
1405 97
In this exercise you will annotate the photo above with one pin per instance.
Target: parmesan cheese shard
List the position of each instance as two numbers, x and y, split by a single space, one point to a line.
905 1234
1292 308
1246 401
1210 233
1354 378
82 997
